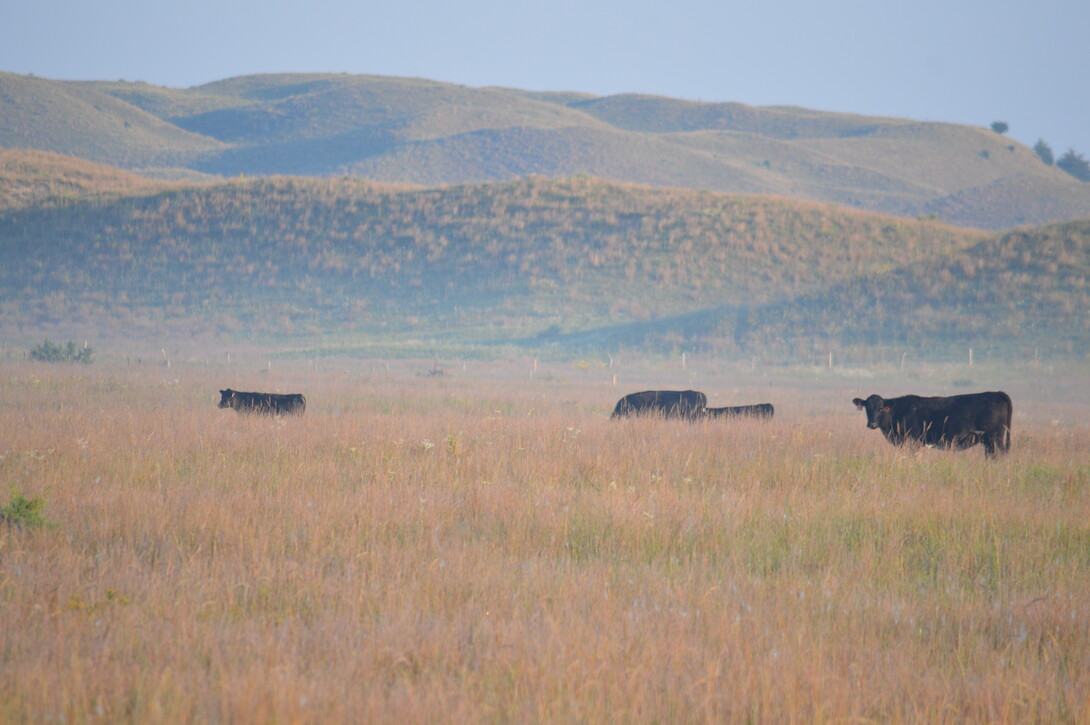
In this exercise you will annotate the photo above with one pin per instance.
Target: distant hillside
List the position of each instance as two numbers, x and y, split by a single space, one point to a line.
534 260
404 130
1027 289
77 120
36 178
1016 295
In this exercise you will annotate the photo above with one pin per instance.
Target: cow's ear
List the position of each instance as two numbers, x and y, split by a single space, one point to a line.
858 403
885 408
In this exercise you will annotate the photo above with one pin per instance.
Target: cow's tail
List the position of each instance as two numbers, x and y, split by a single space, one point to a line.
1005 440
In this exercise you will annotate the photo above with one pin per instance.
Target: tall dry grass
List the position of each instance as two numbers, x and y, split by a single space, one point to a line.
489 548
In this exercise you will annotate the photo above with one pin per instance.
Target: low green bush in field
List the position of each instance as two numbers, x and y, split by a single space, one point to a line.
50 352
24 512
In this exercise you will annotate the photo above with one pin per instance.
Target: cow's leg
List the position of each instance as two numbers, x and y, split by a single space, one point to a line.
996 444
971 439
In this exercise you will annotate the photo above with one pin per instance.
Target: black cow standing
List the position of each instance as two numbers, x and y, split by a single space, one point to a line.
958 421
267 403
687 404
760 410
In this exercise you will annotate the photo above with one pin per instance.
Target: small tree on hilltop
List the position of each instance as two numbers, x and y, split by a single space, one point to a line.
1000 126
1075 165
1044 152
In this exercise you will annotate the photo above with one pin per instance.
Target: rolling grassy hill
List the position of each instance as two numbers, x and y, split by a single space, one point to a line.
404 130
43 180
1027 290
574 263
77 120
1014 295
1028 281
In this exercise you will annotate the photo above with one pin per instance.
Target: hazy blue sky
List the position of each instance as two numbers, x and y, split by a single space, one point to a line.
964 61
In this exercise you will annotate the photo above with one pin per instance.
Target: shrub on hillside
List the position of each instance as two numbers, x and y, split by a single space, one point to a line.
1044 152
1075 164
50 352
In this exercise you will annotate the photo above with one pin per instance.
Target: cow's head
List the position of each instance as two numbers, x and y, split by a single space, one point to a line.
877 411
227 398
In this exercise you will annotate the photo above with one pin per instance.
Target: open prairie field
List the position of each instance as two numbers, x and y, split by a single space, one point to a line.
487 546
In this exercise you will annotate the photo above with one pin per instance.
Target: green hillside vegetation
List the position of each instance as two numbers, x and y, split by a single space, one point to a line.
406 130
572 263
1024 291
600 251
576 262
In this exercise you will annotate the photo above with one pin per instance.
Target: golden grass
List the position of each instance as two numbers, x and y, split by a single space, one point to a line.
487 548
31 178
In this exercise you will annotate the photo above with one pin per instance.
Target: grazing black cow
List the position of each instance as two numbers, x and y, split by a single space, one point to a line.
760 410
958 421
688 404
267 403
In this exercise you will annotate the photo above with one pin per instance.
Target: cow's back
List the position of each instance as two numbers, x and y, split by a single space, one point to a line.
980 410
959 420
263 403
670 403
293 403
758 410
